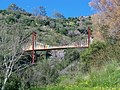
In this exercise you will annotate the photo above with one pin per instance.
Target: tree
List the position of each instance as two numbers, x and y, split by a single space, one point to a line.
57 14
42 11
108 18
35 12
52 24
11 51
14 7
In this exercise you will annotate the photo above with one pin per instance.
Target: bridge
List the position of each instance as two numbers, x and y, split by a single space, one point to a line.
37 46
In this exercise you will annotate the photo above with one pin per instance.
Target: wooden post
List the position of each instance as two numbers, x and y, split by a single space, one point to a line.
33 42
88 36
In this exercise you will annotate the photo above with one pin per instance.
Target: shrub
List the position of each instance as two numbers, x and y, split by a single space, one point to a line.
14 83
108 76
87 56
10 20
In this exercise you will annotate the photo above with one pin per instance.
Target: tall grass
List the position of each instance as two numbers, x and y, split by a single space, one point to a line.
102 63
108 78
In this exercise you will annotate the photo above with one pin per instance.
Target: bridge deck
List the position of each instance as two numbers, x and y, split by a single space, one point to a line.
55 48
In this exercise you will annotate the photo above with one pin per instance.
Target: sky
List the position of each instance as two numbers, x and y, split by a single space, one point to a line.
69 8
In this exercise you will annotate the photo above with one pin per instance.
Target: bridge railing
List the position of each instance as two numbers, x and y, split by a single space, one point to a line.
81 43
84 40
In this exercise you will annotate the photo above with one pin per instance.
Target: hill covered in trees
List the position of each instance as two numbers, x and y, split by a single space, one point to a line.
72 69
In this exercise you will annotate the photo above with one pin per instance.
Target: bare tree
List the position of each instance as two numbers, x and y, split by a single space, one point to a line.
41 11
107 19
11 50
57 14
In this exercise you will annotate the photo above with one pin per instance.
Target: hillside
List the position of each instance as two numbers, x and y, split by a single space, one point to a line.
16 27
94 68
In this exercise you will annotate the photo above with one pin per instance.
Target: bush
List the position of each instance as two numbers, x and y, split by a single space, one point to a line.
87 56
10 20
108 76
72 55
17 15
63 31
14 83
96 46
27 21
52 24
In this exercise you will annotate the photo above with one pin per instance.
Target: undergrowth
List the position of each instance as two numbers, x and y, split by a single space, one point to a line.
102 62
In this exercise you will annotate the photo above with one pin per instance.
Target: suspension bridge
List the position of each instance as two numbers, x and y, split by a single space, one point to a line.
37 46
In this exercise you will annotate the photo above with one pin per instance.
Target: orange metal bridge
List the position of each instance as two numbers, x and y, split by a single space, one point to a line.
32 48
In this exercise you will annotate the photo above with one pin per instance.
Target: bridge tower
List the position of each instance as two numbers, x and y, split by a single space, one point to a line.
89 36
33 46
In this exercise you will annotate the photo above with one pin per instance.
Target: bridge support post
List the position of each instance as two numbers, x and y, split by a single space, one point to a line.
33 49
88 36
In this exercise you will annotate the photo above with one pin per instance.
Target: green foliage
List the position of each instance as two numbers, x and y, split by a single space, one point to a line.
62 31
14 83
52 24
107 77
14 7
27 21
98 54
86 55
10 20
40 21
72 55
103 79
1 78
3 12
44 75
17 15
37 88
49 31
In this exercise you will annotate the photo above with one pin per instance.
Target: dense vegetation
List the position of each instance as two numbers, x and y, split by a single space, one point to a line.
95 68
